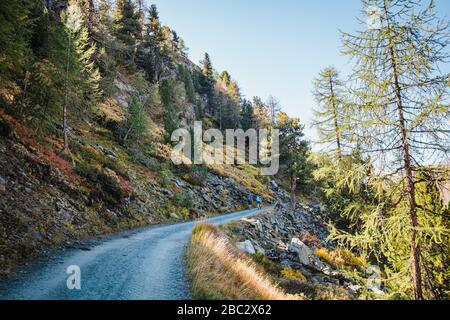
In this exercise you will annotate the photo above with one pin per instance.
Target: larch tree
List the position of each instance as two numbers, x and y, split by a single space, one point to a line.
274 106
402 112
330 116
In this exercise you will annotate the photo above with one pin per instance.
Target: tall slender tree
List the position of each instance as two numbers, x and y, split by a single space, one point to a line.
293 151
330 117
127 28
402 105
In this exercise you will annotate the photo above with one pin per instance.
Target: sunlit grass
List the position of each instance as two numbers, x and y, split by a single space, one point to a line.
217 270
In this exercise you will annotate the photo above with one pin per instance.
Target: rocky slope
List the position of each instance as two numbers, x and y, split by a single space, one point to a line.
305 262
49 200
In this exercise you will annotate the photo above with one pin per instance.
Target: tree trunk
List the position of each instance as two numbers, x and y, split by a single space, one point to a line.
293 191
415 248
336 124
65 127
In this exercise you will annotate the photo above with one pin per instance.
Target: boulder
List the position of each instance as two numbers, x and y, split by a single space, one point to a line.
303 251
175 216
354 289
165 191
246 247
274 185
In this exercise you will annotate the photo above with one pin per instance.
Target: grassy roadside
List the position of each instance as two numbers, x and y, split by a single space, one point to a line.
218 271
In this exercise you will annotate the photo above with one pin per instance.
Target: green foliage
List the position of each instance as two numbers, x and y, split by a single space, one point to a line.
294 152
247 115
104 186
16 23
268 265
127 29
195 175
165 175
292 274
183 200
186 77
136 125
173 99
330 120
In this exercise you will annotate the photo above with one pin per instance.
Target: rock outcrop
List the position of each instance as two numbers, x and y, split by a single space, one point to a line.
289 238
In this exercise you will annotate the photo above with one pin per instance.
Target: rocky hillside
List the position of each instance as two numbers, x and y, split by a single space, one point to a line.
48 200
293 247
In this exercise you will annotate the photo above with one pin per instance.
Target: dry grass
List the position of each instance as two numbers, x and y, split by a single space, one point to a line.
340 257
217 270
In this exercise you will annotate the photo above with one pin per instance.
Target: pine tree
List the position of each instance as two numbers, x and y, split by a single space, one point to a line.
186 77
78 61
127 28
136 124
207 84
155 42
330 118
169 96
14 38
293 151
207 68
247 115
104 14
402 111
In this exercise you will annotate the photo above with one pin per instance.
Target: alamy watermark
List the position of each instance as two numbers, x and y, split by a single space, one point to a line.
252 147
74 279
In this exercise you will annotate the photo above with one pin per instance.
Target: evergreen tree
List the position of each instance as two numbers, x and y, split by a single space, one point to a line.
207 84
136 124
155 41
186 77
14 38
293 151
261 114
207 68
225 78
330 118
402 112
170 103
274 108
247 115
127 28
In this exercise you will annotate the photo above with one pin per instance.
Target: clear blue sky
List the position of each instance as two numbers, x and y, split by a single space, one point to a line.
272 47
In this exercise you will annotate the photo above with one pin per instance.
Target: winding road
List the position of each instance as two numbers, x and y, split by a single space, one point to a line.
146 265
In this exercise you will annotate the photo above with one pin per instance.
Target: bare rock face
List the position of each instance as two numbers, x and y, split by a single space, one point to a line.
246 246
302 250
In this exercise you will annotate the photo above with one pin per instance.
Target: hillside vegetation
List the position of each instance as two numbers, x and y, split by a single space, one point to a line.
89 97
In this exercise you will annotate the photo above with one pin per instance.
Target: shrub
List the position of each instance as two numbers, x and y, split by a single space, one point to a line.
196 175
183 200
267 264
340 257
103 185
292 274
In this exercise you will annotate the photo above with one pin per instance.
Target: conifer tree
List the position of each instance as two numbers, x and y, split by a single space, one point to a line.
293 151
274 108
14 38
78 62
330 118
247 115
402 111
127 28
154 41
